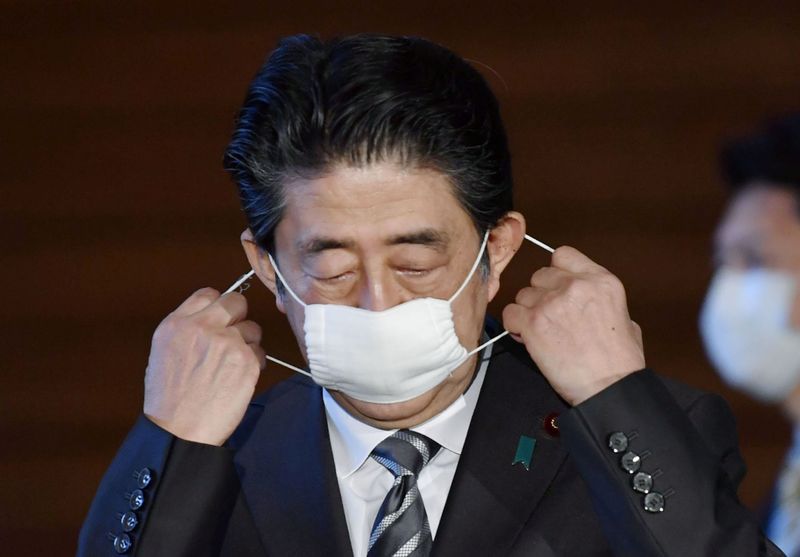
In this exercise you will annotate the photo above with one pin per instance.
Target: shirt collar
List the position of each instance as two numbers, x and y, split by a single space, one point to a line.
352 440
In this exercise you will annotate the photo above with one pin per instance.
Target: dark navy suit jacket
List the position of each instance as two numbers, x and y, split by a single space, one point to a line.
273 489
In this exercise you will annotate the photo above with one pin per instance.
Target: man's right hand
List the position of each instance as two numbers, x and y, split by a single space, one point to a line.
204 363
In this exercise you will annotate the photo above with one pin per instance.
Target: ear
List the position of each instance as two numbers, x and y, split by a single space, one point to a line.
504 241
260 263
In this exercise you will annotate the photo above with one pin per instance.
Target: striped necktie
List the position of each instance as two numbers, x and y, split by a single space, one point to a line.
401 528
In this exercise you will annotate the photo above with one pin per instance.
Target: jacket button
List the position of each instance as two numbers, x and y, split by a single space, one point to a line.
617 442
630 462
654 502
143 477
122 543
135 499
642 482
129 521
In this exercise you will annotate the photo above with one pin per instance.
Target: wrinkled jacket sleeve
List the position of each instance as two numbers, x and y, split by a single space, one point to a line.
183 509
691 455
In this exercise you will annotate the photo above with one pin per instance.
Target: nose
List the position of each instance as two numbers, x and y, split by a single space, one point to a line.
378 292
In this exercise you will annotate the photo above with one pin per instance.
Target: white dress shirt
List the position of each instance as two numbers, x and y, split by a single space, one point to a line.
784 526
364 483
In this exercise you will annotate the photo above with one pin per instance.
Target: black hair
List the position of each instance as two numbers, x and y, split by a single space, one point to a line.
771 155
363 99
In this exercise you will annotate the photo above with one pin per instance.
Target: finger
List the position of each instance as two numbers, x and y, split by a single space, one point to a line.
529 296
569 259
250 331
261 356
226 310
514 318
198 301
550 278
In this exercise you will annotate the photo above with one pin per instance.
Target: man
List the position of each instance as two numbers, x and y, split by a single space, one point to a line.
751 318
375 176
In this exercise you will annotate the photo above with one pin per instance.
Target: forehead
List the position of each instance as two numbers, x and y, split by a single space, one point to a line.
760 209
371 202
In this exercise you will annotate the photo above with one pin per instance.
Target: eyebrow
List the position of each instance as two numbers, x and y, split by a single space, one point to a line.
430 237
316 245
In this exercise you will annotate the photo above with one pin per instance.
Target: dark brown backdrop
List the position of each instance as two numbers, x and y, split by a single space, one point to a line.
114 117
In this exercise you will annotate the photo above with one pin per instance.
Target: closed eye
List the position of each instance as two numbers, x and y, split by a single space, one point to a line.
415 272
334 278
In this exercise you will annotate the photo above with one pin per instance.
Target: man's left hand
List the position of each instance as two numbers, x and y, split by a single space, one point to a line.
574 322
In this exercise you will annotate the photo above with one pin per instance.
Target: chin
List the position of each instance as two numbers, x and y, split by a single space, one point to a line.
392 415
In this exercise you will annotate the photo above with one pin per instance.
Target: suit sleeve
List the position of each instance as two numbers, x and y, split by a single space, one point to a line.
161 496
663 478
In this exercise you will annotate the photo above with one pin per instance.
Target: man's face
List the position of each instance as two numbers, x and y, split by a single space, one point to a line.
761 228
374 237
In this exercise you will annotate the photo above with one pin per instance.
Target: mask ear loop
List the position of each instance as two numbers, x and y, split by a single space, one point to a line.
532 240
283 280
288 365
299 301
472 270
242 281
542 245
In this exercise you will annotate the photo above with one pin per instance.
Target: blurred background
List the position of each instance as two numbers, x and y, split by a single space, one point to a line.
115 207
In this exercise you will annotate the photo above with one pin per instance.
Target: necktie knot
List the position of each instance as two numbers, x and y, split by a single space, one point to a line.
401 527
405 452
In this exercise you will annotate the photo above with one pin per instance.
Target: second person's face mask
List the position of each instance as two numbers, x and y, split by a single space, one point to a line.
385 356
745 325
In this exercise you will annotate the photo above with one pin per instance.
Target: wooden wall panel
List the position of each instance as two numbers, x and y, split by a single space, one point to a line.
114 206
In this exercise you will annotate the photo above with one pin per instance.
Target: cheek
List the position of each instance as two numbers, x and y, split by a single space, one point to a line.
469 312
296 316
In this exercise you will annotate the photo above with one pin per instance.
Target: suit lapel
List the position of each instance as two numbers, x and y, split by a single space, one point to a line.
490 500
288 476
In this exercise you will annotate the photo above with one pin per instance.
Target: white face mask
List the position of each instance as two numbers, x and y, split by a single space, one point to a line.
384 356
745 325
